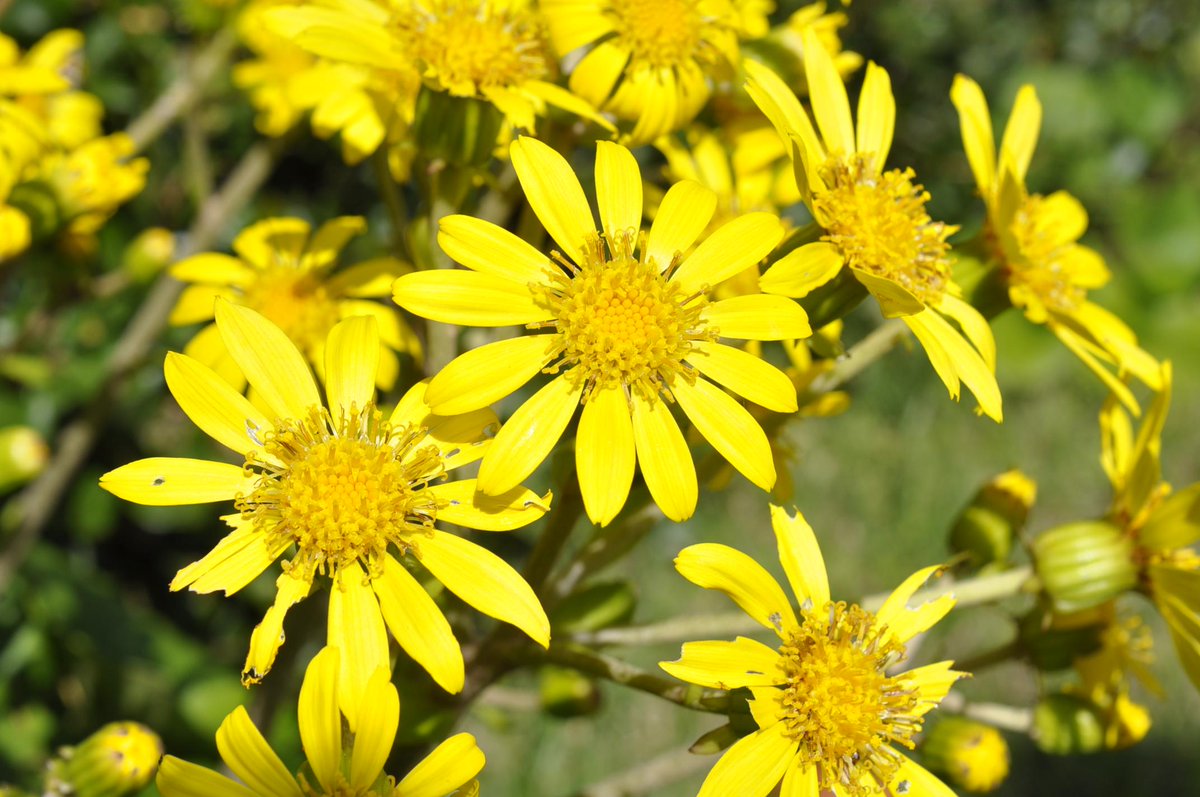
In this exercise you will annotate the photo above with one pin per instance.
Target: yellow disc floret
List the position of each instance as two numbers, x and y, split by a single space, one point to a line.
659 33
343 492
879 224
468 46
620 320
840 704
1043 263
296 301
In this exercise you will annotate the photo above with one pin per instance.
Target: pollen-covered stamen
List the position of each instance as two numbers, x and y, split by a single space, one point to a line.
620 321
661 34
296 301
840 704
468 46
1043 264
344 491
879 224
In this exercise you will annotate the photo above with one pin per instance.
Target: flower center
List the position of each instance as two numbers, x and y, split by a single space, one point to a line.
1043 267
879 224
342 492
840 704
620 321
469 46
296 302
662 34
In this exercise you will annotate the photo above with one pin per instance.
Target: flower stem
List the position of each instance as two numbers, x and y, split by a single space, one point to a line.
971 592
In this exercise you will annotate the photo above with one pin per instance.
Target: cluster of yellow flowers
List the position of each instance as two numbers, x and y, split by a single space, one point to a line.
628 322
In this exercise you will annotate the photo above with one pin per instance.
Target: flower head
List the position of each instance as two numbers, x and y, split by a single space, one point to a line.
44 81
831 708
287 273
627 327
350 492
1034 239
339 764
875 221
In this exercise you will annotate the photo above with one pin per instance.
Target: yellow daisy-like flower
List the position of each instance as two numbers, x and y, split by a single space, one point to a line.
491 50
828 702
340 764
92 180
44 82
1035 239
875 222
1164 526
825 27
631 329
338 484
287 274
651 62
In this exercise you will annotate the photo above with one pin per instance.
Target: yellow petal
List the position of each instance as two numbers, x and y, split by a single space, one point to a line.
973 325
753 765
682 215
801 557
618 190
727 665
757 317
932 683
731 249
247 753
484 247
236 560
830 104
468 298
376 733
780 105
744 580
212 268
876 117
904 623
1021 132
750 377
419 625
484 581
803 270
370 279
462 504
975 121
604 454
1176 522
207 348
954 359
217 409
459 439
320 720
178 778
196 304
912 778
451 764
665 460
487 374
895 301
171 481
800 781
261 243
598 72
555 195
272 363
356 630
729 427
328 241
351 361
268 635
526 438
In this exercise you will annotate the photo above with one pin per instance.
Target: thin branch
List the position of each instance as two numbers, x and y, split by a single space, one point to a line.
971 592
650 776
877 343
677 629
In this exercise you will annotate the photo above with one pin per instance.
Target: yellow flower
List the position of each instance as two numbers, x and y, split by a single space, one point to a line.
1164 526
791 35
340 764
875 222
44 83
1035 239
491 50
651 62
288 275
828 701
632 329
92 180
338 485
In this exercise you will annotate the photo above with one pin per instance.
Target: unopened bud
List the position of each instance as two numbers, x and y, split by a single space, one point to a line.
568 693
1065 724
1054 641
117 760
969 754
458 130
985 529
1084 564
23 454
148 254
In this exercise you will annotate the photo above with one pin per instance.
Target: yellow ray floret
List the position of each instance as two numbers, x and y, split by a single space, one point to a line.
830 705
627 326
345 492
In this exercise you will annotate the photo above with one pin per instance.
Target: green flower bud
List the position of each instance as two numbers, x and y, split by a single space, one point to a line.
1084 564
1066 724
39 202
23 454
1053 642
119 759
968 754
458 130
568 693
148 254
985 529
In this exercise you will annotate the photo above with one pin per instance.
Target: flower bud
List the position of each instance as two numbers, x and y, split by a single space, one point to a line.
119 759
1127 723
459 130
568 693
1065 724
985 529
148 254
39 203
969 754
23 454
1084 564
1054 641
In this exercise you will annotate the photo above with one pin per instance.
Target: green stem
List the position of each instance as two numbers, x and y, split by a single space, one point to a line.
972 592
394 200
